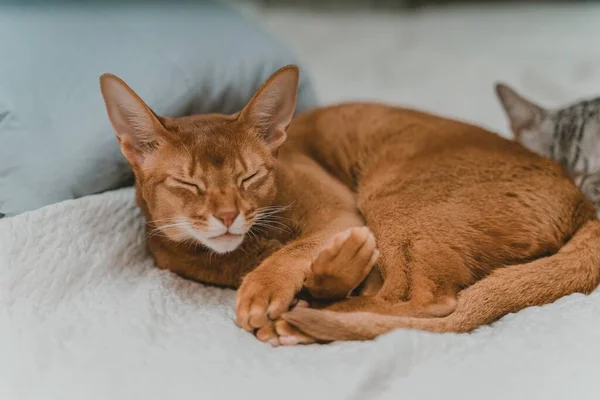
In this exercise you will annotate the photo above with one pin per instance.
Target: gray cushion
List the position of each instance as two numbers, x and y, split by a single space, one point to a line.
56 142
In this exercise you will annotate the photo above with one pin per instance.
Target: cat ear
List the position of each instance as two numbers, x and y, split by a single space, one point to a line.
272 107
522 113
137 127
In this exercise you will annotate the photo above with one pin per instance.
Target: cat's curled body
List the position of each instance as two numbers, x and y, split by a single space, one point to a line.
225 204
470 226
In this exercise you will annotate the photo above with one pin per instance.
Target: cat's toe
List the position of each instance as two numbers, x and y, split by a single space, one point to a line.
268 334
331 250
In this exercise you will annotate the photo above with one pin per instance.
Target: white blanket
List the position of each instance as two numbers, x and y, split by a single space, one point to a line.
84 314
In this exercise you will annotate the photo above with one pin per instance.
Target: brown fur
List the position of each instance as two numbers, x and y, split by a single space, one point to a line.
192 168
470 226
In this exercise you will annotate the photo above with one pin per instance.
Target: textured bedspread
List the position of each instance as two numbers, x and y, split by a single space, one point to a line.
84 314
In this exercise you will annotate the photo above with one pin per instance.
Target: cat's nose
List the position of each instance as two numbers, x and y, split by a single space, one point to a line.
227 216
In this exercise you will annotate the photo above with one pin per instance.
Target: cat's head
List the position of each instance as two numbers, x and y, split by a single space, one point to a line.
569 135
204 178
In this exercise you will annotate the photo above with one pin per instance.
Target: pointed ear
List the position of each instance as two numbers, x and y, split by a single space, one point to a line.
522 113
272 107
137 127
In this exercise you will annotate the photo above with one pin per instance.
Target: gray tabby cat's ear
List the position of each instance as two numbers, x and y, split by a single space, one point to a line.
522 113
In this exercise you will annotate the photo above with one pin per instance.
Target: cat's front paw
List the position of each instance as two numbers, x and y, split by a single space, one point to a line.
263 296
281 333
342 264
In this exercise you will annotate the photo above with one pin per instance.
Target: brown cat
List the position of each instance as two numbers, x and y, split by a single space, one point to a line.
219 202
470 226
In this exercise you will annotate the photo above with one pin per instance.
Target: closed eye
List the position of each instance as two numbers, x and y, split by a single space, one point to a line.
249 177
187 184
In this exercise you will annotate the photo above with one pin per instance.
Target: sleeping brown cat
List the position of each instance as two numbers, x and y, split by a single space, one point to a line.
470 226
219 202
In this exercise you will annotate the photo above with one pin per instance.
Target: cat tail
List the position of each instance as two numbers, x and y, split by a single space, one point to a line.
574 268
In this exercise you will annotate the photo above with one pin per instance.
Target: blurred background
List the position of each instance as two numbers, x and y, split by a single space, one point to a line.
199 56
82 308
441 55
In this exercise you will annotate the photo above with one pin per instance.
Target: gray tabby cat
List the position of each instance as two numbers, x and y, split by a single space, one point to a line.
569 135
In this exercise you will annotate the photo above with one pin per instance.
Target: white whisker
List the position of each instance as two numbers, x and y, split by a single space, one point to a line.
252 234
163 228
270 221
276 228
273 218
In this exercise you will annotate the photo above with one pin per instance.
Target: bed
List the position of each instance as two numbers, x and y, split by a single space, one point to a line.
85 314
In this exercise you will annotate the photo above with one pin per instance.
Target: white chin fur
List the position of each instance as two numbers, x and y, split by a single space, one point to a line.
212 239
223 245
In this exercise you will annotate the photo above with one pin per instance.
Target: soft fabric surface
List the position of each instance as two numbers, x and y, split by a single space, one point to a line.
86 315
447 59
56 142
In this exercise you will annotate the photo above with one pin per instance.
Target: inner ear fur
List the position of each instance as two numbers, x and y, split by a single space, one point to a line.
522 113
272 107
138 129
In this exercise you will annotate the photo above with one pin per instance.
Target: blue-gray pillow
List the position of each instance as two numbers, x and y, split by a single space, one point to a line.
56 142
